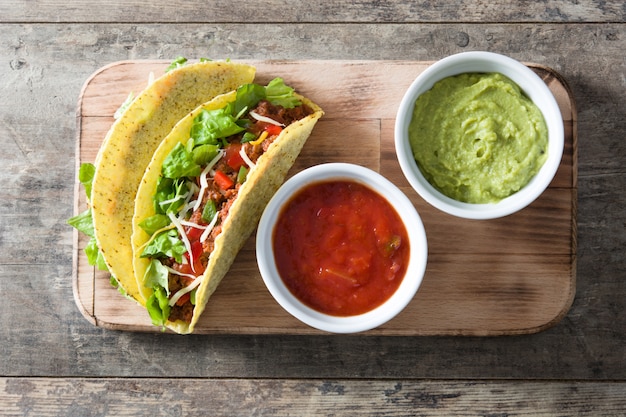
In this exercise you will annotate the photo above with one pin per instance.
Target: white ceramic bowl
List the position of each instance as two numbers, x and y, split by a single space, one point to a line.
403 206
531 85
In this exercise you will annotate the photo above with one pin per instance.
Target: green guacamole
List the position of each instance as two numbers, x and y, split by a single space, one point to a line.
477 138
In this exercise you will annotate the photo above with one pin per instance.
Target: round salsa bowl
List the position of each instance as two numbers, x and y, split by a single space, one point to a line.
531 85
269 234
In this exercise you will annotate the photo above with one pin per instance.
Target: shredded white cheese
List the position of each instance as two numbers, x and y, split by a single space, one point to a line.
183 236
203 178
154 235
192 224
208 229
175 272
265 119
184 291
172 200
246 159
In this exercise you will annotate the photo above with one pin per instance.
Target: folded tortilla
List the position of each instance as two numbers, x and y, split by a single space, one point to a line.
130 144
262 182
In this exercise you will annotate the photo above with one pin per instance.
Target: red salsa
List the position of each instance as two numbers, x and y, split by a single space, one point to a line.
340 247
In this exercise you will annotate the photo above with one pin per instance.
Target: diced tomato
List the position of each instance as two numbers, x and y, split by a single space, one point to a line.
193 233
233 158
183 299
184 268
273 130
196 249
223 181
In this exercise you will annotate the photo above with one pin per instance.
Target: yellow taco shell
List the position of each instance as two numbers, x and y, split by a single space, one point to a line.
130 143
262 182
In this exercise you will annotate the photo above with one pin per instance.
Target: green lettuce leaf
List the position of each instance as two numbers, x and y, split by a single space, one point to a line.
204 154
166 244
154 223
179 163
157 275
248 96
211 125
83 222
178 62
86 173
170 195
158 307
280 94
125 105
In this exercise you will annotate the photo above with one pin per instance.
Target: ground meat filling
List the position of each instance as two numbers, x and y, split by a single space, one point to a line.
281 114
224 199
184 312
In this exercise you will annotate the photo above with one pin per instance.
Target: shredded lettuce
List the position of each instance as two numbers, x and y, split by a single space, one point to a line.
157 278
280 94
158 307
177 63
156 275
166 244
154 223
83 222
118 113
179 163
204 154
170 195
86 173
211 125
248 96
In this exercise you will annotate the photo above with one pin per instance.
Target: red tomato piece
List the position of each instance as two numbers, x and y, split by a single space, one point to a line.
233 157
183 299
184 268
196 249
196 254
273 130
193 233
223 181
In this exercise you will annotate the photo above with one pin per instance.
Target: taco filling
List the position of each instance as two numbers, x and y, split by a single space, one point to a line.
199 182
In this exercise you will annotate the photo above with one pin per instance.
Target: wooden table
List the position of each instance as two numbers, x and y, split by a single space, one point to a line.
55 362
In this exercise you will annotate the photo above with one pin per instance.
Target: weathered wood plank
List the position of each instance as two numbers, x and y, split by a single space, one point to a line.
301 11
79 397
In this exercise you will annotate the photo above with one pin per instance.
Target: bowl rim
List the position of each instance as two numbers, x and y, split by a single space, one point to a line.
530 83
407 212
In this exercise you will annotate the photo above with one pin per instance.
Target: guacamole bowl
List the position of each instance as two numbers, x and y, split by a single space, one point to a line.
492 146
341 248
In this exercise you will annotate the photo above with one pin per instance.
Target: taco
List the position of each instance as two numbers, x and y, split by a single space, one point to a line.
204 192
130 143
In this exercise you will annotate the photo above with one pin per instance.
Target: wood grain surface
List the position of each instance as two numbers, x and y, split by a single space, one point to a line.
53 362
303 11
268 397
513 275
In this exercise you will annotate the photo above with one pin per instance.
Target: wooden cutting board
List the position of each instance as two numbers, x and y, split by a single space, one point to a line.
514 275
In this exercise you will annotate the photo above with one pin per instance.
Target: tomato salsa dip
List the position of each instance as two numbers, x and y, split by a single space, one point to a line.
340 247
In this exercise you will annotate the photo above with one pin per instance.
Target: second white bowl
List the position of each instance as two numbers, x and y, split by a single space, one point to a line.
399 201
530 84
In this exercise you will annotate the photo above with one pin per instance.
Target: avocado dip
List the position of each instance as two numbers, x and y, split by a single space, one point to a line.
477 137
